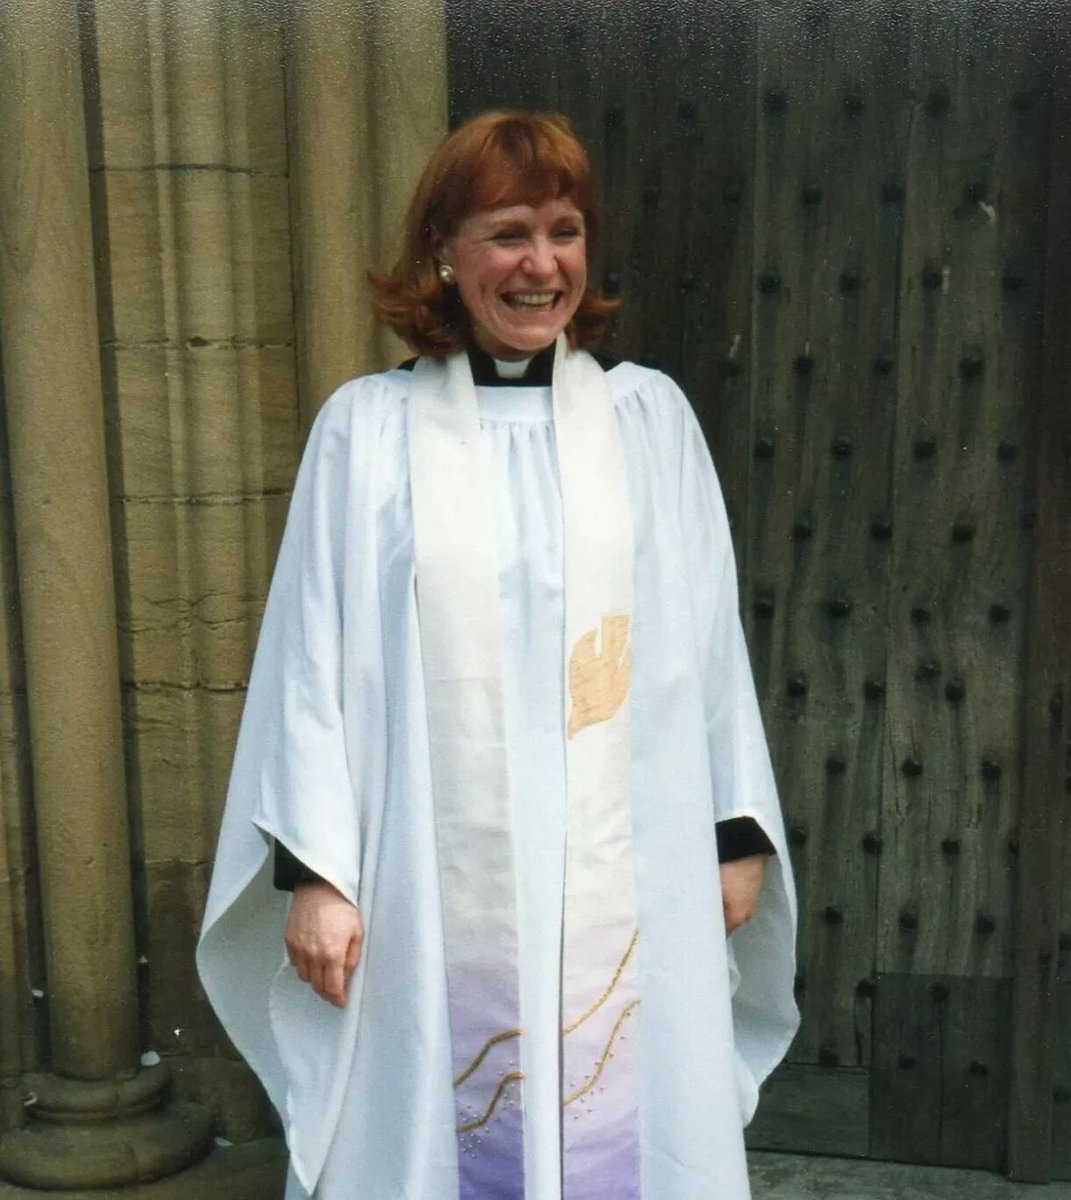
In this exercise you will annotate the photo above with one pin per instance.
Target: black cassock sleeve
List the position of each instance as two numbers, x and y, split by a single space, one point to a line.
289 871
738 837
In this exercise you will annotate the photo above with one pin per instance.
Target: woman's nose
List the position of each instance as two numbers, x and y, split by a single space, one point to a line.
540 261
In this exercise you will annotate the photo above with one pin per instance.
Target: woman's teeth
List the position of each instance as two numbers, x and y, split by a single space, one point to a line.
531 300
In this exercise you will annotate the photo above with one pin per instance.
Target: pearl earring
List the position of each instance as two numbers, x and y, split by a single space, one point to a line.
446 273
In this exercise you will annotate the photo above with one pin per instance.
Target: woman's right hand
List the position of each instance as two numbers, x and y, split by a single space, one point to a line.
324 934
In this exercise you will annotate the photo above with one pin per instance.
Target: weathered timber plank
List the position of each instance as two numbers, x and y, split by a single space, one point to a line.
940 1070
661 270
1063 960
210 73
639 96
833 117
975 1072
969 343
905 1074
1033 1128
466 61
501 56
1061 1090
823 1109
709 178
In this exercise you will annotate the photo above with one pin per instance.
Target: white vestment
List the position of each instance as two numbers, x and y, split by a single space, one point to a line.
332 760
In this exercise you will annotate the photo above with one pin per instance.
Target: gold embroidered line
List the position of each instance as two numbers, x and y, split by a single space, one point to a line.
488 1046
600 1066
609 989
469 1126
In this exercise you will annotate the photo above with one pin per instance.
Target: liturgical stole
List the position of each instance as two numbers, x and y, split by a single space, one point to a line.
461 644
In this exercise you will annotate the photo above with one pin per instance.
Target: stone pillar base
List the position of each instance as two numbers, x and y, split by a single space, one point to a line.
251 1171
103 1134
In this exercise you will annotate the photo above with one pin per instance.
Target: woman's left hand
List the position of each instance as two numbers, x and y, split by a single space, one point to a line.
741 882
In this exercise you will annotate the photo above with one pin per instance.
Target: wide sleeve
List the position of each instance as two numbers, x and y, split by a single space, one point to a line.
291 782
743 784
305 798
765 1015
292 755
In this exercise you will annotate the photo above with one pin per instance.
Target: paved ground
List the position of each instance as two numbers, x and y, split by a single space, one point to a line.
806 1177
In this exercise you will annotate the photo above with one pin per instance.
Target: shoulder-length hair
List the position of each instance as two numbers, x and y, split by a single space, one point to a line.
494 160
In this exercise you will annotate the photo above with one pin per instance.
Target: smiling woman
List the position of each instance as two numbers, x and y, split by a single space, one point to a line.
507 205
521 272
502 743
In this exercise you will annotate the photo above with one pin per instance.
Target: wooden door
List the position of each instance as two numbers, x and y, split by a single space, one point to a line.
831 223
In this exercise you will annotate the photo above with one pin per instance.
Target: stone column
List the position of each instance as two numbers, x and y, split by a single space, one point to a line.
97 1119
368 105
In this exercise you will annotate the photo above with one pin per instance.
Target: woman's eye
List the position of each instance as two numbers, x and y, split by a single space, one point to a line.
568 233
507 235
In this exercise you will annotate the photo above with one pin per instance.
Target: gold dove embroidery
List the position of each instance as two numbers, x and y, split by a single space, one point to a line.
599 682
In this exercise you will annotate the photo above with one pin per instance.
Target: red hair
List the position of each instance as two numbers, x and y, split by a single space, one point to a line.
494 160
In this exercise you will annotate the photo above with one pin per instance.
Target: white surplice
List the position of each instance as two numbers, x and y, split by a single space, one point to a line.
333 761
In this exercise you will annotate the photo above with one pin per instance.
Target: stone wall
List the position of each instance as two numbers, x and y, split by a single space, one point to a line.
191 193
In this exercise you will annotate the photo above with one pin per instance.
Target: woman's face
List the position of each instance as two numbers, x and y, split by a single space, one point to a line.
521 272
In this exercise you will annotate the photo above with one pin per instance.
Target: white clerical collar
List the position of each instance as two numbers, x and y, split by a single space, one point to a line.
511 368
